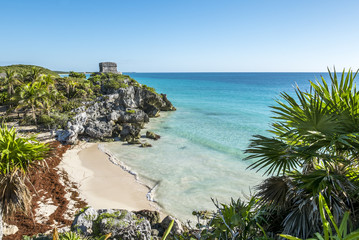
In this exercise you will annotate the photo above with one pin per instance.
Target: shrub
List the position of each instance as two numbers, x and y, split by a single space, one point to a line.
149 89
130 111
77 75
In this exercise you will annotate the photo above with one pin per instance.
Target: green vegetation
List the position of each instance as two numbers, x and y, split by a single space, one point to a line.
312 163
149 88
340 233
130 111
18 155
48 101
26 68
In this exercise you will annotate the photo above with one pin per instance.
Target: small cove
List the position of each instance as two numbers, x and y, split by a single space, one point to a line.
200 153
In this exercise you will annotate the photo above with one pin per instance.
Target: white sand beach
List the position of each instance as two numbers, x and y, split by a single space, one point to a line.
101 183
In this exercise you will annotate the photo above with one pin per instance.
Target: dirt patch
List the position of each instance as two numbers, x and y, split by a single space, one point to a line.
48 184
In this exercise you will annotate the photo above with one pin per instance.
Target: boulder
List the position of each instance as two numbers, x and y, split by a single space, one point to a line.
145 144
83 222
152 216
129 131
168 105
125 225
177 226
134 141
99 129
152 135
121 224
132 116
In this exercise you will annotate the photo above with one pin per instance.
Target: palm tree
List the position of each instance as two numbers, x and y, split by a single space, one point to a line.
314 150
48 82
33 95
10 83
18 155
35 74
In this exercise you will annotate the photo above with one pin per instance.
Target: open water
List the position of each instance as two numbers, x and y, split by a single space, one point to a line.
200 153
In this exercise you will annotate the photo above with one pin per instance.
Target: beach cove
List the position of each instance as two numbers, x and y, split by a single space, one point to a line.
200 153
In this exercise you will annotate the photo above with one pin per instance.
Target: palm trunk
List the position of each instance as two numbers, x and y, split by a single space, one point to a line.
33 116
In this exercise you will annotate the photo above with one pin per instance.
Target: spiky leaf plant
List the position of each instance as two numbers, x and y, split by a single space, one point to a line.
314 149
17 155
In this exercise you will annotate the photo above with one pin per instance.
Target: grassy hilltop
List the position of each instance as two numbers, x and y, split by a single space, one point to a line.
26 68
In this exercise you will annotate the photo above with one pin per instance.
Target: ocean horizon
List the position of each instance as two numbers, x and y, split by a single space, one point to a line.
201 150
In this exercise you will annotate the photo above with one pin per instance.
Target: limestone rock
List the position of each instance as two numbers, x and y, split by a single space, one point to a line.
130 131
83 222
152 135
132 116
177 226
152 216
145 144
125 225
99 129
134 141
9 229
120 114
121 224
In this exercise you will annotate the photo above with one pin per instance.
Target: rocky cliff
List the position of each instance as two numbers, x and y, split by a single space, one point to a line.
120 114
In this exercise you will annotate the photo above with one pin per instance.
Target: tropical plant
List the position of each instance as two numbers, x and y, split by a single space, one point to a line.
17 155
314 150
77 75
11 82
168 230
239 220
341 233
35 74
33 95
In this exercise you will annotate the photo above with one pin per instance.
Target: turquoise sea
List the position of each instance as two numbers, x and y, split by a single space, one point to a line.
200 153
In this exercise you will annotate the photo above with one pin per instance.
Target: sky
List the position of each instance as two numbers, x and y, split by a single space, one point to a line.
181 35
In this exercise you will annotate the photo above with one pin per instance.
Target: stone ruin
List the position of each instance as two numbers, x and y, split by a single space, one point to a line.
108 67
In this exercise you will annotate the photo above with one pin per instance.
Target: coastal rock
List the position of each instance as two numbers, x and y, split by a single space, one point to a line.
134 141
120 114
99 129
145 144
125 225
152 216
66 136
168 105
84 221
121 224
152 111
152 135
132 116
129 132
177 226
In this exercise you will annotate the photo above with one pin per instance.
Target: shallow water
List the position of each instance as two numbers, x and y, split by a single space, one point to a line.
200 153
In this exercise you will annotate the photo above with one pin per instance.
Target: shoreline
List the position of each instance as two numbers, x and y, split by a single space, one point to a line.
103 182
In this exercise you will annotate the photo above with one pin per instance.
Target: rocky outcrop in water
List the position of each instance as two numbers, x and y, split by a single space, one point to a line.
121 114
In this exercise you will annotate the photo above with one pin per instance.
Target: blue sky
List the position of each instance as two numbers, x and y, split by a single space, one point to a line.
181 35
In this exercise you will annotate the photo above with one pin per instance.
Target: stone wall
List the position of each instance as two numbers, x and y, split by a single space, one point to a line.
106 67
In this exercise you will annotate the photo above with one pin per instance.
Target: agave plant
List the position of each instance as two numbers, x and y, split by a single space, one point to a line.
17 155
314 150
